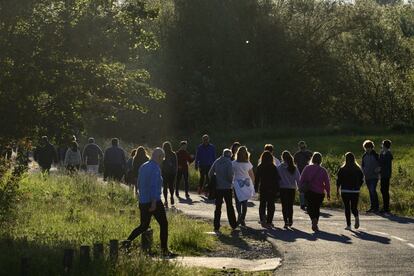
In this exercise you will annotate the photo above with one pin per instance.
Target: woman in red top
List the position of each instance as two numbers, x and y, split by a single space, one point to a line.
184 159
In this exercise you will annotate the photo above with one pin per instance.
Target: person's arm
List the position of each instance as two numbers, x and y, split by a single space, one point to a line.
251 174
79 157
85 155
55 155
327 184
258 178
100 153
303 177
361 178
197 158
338 183
67 157
212 170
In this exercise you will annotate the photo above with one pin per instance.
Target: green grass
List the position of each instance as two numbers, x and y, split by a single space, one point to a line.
59 211
333 143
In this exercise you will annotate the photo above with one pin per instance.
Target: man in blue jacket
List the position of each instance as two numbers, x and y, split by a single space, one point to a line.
205 157
150 204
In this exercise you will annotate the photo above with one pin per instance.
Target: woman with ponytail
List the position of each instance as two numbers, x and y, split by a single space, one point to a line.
290 176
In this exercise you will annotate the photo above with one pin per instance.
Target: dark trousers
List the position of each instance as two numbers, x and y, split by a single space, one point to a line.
204 175
287 197
227 195
314 201
182 174
146 216
385 191
45 168
373 196
241 207
168 184
266 208
350 201
114 171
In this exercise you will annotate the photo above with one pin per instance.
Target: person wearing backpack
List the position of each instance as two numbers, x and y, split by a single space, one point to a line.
349 181
314 182
222 170
371 168
169 172
267 184
290 176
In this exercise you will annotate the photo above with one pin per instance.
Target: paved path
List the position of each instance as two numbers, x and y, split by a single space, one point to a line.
382 246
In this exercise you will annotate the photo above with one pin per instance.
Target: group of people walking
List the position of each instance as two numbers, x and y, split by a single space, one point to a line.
233 174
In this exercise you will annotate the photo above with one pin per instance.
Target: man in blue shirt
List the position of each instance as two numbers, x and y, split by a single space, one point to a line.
149 185
205 157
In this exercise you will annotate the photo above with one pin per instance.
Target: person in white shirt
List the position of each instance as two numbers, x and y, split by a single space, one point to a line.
243 182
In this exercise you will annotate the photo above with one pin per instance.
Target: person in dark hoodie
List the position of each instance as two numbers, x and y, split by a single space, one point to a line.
267 183
385 160
114 161
222 169
92 156
349 181
205 157
371 169
169 170
45 155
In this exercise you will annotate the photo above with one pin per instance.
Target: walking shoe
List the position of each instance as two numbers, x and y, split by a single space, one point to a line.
286 226
167 254
303 207
172 201
290 224
187 196
166 205
356 222
348 227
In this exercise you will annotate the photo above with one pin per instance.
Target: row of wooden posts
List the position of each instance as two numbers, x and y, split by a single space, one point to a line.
98 253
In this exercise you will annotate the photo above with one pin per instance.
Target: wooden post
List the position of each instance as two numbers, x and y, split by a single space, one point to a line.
68 256
24 266
147 239
113 250
121 212
84 255
98 251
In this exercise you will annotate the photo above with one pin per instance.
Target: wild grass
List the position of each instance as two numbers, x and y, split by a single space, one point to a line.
61 211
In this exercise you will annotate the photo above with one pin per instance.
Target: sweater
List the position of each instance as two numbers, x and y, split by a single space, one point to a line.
370 165
288 180
267 180
222 168
115 156
350 179
73 158
91 154
385 161
317 177
184 158
169 165
206 155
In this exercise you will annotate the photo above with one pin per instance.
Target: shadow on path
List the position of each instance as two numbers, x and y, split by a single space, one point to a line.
398 219
295 234
370 237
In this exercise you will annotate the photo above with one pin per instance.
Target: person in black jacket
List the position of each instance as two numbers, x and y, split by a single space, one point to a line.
45 155
267 184
385 160
169 171
349 181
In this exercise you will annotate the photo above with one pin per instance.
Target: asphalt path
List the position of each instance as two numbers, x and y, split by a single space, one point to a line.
383 245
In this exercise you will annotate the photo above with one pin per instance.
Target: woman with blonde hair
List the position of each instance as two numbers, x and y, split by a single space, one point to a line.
243 182
349 182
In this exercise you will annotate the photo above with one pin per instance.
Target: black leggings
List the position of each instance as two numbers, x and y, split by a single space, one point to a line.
351 204
314 201
267 203
227 195
161 218
287 197
168 184
182 174
385 191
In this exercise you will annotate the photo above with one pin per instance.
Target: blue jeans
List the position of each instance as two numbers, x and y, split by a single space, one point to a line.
373 196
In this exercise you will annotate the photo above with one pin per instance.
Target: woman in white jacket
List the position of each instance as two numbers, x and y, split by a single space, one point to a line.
73 158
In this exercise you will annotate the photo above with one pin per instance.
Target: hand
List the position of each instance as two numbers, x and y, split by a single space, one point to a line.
153 207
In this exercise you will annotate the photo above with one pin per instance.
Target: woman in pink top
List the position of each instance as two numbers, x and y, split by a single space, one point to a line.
316 178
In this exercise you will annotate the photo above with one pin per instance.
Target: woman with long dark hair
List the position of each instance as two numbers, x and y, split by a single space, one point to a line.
314 182
169 172
290 176
267 184
349 182
141 157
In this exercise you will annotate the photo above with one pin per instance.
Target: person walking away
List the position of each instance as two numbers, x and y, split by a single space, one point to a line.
222 170
314 182
150 204
371 169
234 148
169 172
270 148
290 177
73 158
114 161
205 157
385 160
129 178
267 181
92 156
349 181
45 155
302 158
140 158
184 160
243 182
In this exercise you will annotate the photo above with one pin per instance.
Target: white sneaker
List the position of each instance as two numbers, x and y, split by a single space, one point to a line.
348 227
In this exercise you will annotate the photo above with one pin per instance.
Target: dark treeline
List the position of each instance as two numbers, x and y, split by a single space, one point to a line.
143 68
